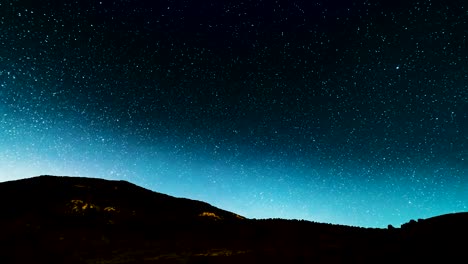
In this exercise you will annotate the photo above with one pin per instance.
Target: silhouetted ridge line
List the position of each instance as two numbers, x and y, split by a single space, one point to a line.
51 219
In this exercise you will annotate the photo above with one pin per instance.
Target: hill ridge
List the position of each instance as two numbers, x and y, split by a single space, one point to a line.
63 219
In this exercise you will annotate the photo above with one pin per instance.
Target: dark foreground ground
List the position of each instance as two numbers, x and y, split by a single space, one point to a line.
51 219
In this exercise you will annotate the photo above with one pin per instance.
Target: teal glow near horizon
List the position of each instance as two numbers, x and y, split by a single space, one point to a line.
262 189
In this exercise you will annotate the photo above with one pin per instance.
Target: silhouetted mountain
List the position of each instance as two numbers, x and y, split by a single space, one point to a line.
50 219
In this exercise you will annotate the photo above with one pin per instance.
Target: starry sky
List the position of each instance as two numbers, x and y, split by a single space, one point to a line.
344 112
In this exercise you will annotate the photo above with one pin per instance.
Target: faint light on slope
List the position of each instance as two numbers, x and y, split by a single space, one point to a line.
240 217
210 215
110 209
78 206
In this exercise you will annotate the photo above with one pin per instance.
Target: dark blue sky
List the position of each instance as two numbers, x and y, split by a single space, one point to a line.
347 112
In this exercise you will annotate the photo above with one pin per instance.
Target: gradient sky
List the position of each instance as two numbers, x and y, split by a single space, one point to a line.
345 112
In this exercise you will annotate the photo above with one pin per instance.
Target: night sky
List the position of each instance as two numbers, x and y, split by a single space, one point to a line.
344 112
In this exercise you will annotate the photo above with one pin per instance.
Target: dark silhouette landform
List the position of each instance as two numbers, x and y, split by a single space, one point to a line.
49 219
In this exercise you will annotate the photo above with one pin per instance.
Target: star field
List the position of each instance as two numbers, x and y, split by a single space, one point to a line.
350 113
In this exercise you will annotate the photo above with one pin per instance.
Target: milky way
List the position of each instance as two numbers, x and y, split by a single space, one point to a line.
332 112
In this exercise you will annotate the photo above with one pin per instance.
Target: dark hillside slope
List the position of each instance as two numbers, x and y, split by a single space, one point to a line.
440 238
62 216
50 219
47 195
